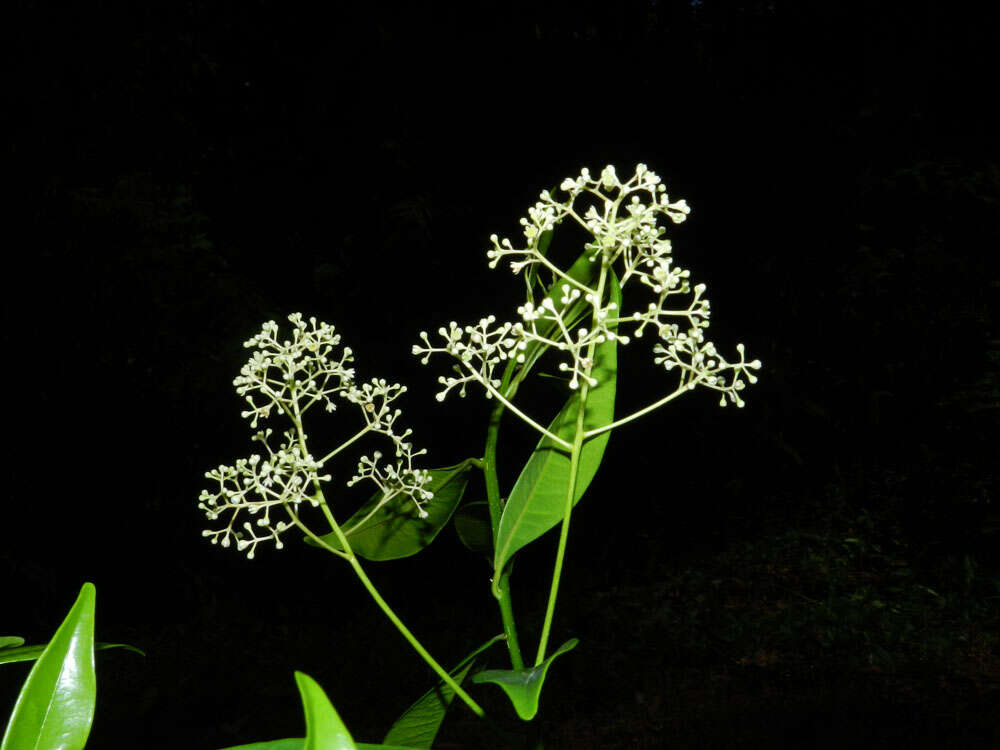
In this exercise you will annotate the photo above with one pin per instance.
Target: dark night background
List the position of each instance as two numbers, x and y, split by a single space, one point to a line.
816 570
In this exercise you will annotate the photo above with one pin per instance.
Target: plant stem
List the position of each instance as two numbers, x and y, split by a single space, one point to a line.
348 554
503 400
641 412
507 614
489 467
502 588
574 463
384 606
341 447
447 678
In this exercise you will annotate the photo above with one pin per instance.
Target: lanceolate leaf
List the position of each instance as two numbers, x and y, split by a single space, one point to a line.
289 744
396 529
10 641
298 743
420 723
538 499
55 708
324 729
523 686
29 653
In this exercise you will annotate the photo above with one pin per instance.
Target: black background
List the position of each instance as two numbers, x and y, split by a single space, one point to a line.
185 171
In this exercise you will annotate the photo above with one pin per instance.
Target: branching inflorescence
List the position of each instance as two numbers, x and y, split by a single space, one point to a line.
578 314
622 218
290 377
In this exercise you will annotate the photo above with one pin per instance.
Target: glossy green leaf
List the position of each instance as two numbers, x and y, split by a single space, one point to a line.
10 641
472 523
55 708
523 686
298 743
30 653
419 724
289 744
396 529
324 729
538 498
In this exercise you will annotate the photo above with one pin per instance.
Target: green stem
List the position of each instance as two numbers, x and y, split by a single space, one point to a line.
341 447
348 554
574 465
507 614
642 412
489 466
505 402
502 588
447 678
384 606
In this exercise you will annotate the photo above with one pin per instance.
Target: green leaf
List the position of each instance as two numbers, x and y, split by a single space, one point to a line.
298 743
538 498
420 723
396 530
55 708
324 729
10 641
30 653
472 523
523 686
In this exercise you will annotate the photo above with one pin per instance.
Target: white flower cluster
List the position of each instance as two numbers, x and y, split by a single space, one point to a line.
478 348
550 324
393 480
400 477
634 233
289 377
482 347
281 481
622 218
293 375
701 364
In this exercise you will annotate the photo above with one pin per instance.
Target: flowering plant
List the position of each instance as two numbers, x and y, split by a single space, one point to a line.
578 316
